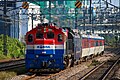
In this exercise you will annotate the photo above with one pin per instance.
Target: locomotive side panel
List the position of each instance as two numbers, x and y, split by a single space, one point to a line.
96 47
92 45
85 46
99 46
77 47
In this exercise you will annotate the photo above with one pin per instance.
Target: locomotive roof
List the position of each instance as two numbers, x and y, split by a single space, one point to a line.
40 26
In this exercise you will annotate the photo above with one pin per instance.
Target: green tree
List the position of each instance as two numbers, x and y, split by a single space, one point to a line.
15 48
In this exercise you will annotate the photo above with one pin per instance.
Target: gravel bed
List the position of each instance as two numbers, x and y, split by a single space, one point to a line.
20 77
105 57
72 71
80 74
116 75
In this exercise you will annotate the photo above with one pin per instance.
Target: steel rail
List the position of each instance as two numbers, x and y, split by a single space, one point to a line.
12 67
90 72
107 73
11 64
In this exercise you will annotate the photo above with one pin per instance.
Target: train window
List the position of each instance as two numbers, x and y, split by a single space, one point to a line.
100 43
60 38
30 38
39 35
96 43
50 35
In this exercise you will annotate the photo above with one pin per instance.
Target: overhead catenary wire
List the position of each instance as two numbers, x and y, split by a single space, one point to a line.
15 14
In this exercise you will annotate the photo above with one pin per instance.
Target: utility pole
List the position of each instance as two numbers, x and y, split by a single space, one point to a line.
18 25
90 10
78 4
32 18
4 37
100 12
14 24
49 11
119 6
84 12
15 35
75 18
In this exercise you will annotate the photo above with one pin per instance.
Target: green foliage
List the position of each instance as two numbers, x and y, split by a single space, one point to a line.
94 63
2 57
15 49
110 40
12 73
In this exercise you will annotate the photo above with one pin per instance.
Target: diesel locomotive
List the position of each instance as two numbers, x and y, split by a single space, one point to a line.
52 47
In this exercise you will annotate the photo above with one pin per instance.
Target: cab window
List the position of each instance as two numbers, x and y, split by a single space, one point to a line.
39 35
30 38
60 37
50 35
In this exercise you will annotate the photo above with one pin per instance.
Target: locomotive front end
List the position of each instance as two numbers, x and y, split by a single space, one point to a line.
45 48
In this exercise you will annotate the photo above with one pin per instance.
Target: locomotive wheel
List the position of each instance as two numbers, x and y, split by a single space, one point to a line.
86 59
68 62
92 56
72 61
102 52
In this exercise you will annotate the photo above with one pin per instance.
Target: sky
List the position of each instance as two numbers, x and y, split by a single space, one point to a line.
114 2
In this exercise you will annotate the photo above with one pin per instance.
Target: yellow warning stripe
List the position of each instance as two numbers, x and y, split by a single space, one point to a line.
25 5
79 5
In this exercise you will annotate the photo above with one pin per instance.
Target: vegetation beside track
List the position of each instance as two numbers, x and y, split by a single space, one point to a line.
15 48
94 63
6 75
111 40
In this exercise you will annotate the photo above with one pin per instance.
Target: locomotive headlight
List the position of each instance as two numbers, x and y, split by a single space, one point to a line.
37 56
51 56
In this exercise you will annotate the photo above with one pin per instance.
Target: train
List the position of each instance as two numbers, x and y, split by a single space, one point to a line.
49 47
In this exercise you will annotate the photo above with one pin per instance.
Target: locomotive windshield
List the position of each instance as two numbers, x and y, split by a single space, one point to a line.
60 38
39 35
50 35
30 38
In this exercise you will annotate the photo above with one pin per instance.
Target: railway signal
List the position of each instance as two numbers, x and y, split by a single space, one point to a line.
78 4
25 5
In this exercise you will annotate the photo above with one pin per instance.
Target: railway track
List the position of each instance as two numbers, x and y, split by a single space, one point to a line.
11 64
102 71
67 74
